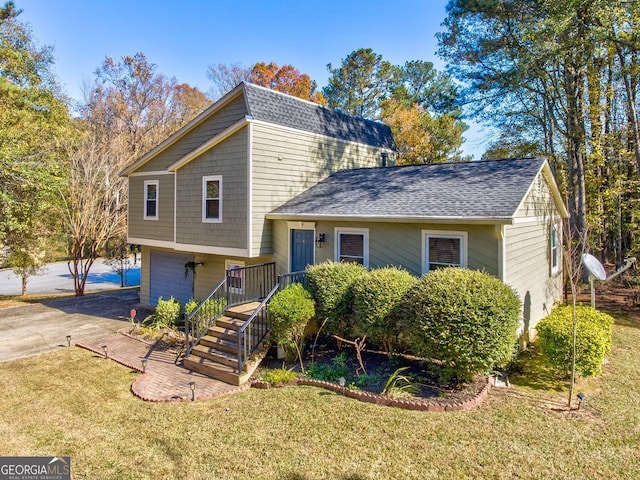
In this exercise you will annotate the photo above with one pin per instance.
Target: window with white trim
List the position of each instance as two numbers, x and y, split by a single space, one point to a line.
212 199
444 249
352 245
151 199
554 242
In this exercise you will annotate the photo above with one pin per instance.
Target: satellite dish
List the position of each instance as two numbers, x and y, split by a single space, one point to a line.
594 267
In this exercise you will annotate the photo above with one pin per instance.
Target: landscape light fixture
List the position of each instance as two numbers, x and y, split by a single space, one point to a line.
106 353
68 340
342 381
320 241
144 364
192 386
581 397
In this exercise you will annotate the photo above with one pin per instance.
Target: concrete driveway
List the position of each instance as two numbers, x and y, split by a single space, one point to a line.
43 327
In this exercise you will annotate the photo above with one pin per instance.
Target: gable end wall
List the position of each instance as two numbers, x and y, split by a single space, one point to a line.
285 162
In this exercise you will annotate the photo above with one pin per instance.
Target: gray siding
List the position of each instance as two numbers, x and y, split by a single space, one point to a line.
228 159
528 255
539 202
286 162
528 270
223 118
397 244
160 229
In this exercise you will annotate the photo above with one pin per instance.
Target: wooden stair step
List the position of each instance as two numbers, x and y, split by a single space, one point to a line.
215 355
219 343
224 333
229 322
216 370
242 312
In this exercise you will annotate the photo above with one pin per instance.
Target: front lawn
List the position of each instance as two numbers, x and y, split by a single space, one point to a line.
75 403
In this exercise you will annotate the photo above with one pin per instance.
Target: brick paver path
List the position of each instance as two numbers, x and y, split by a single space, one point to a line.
163 381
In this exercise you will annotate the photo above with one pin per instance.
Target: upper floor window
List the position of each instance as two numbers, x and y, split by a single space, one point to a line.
352 245
444 249
151 199
212 199
555 249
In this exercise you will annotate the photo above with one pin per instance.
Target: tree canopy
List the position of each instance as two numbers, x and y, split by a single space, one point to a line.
563 77
34 127
419 103
286 79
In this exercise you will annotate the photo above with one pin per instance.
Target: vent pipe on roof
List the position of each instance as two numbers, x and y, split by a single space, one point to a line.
385 157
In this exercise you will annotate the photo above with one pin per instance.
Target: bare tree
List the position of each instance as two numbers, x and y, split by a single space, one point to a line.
128 110
94 207
575 246
226 76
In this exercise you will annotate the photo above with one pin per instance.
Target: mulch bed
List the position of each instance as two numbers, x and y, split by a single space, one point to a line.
325 362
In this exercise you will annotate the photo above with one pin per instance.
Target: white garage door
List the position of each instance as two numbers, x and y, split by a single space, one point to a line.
167 277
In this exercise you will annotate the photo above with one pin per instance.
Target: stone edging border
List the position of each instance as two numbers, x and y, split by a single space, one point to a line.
405 403
186 398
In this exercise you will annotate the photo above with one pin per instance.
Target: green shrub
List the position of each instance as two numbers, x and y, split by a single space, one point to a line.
330 373
289 312
465 320
278 376
191 305
377 297
331 286
166 313
593 339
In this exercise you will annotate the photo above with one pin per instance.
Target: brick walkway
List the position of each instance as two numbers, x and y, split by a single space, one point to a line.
163 381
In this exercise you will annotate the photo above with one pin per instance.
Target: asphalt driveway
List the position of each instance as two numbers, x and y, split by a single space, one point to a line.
43 327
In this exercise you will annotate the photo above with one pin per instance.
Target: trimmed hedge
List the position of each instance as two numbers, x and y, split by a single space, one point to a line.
331 285
465 320
377 297
593 339
289 312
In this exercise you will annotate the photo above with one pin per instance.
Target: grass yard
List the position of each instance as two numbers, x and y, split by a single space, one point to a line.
78 404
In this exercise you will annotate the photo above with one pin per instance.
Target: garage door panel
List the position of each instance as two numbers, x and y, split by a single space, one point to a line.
167 276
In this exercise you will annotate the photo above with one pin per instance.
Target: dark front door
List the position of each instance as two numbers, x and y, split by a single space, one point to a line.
301 249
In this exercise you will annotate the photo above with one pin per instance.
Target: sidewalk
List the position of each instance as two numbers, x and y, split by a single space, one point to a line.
163 381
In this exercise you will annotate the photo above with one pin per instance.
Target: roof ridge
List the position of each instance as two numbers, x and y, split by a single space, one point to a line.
426 165
313 104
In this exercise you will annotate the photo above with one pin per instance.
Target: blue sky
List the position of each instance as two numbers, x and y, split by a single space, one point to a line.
184 37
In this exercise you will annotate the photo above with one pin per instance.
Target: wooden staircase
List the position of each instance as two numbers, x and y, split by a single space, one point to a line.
217 353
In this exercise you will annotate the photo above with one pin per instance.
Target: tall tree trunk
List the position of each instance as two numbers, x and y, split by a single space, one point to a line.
632 114
575 140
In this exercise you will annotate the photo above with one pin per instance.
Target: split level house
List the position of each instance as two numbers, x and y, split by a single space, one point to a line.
261 177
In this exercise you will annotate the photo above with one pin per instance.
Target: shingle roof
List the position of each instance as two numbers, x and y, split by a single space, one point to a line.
474 190
274 107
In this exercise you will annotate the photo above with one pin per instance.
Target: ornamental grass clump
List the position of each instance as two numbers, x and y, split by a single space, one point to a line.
331 285
377 298
289 312
593 339
464 320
